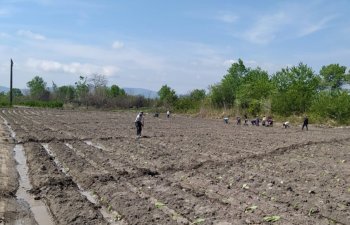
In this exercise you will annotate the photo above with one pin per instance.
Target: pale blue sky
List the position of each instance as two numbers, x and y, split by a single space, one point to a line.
185 44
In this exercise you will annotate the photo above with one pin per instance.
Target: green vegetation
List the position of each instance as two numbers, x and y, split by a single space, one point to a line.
251 209
42 104
159 205
198 221
271 218
291 92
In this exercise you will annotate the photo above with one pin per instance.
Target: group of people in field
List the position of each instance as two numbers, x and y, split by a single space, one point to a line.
266 121
305 124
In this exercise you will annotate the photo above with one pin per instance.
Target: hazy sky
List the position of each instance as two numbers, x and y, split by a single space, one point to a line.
185 44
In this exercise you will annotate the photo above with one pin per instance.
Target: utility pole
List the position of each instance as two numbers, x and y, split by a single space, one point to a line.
11 83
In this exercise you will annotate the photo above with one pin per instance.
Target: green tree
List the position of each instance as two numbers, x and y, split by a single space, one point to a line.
37 87
167 96
225 93
255 88
66 93
255 85
115 91
16 92
333 76
197 94
332 104
82 89
295 89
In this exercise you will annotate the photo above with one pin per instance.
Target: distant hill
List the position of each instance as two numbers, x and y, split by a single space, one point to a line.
4 89
141 91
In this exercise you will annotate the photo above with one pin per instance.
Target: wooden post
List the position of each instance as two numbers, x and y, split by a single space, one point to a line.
11 83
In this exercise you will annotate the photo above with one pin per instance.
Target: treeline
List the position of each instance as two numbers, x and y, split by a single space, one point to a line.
292 91
86 93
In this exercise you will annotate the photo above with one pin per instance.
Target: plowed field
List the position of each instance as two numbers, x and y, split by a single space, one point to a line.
89 168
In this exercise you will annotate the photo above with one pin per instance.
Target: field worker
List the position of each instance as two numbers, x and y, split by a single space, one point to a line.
263 121
306 122
139 124
238 120
269 121
286 124
245 120
168 114
226 120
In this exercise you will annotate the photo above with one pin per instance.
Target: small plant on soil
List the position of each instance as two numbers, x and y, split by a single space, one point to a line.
271 218
263 194
198 221
117 217
313 211
159 205
296 207
330 221
175 216
245 186
251 209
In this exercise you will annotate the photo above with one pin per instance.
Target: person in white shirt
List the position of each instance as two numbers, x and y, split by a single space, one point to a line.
168 114
139 122
264 121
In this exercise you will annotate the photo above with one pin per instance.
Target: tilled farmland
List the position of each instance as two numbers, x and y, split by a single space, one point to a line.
88 167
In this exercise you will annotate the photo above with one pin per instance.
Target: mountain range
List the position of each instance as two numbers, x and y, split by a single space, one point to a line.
4 89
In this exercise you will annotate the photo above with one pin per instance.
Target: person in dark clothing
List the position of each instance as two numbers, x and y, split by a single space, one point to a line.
139 124
245 120
306 122
238 119
226 120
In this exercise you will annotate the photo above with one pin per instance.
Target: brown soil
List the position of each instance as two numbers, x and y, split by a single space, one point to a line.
182 171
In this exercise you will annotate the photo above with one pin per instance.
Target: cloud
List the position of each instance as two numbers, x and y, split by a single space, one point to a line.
4 12
72 68
4 35
266 28
131 57
117 45
31 35
312 28
227 18
229 62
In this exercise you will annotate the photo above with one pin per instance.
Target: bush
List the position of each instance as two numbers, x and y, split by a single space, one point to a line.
334 105
4 104
43 104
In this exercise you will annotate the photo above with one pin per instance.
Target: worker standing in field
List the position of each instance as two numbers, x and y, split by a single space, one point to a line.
139 122
168 114
306 122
